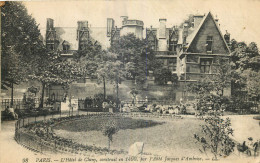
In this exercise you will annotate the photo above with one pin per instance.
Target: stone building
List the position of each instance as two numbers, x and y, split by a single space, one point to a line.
191 50
128 26
68 40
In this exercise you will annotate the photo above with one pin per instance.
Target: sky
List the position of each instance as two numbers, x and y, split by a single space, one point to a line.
239 17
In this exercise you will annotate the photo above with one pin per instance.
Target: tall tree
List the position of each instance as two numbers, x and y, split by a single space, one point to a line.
51 69
210 89
246 65
20 43
105 69
136 55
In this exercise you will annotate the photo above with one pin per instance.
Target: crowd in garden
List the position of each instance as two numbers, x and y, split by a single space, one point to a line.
154 108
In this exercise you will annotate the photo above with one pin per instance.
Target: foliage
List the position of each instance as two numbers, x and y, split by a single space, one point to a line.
33 89
90 58
189 21
52 69
164 75
134 92
49 101
222 77
245 64
252 84
30 103
136 55
215 137
245 56
19 32
210 90
111 98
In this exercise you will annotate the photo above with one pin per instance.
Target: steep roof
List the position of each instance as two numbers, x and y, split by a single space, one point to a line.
191 38
69 34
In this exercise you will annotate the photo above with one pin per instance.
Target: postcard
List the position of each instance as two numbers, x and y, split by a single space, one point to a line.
112 81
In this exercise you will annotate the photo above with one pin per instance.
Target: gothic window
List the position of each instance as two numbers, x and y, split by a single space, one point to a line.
66 46
205 65
209 43
50 47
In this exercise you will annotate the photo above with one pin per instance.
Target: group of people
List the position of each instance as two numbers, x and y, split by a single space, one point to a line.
162 109
9 111
167 109
95 102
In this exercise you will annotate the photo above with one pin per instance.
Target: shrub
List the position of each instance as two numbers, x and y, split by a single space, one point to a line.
216 136
109 128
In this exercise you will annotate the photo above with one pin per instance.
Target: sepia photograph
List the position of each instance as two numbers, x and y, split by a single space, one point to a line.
120 81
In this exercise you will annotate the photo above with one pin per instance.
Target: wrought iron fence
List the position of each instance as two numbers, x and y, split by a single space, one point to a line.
53 144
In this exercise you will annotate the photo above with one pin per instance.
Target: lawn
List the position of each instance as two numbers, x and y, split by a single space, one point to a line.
94 123
163 137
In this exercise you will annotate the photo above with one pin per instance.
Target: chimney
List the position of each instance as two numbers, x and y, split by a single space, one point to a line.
197 20
162 28
82 25
185 32
110 26
50 24
227 37
125 18
162 43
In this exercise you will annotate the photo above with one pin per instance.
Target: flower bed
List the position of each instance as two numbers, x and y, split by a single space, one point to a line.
39 136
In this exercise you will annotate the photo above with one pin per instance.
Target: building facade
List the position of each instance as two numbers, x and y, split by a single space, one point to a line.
190 51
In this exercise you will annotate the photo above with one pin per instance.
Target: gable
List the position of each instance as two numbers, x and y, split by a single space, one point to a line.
208 29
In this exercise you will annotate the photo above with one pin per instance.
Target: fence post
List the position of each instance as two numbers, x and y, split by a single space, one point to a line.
55 144
23 122
41 145
35 119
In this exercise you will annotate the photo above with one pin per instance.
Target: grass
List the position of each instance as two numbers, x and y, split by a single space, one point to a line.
90 124
172 138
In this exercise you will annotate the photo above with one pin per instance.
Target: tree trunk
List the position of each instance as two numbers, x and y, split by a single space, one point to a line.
12 94
108 144
104 82
42 98
117 94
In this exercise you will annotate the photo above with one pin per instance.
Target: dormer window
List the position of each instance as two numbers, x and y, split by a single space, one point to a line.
51 47
65 45
209 44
